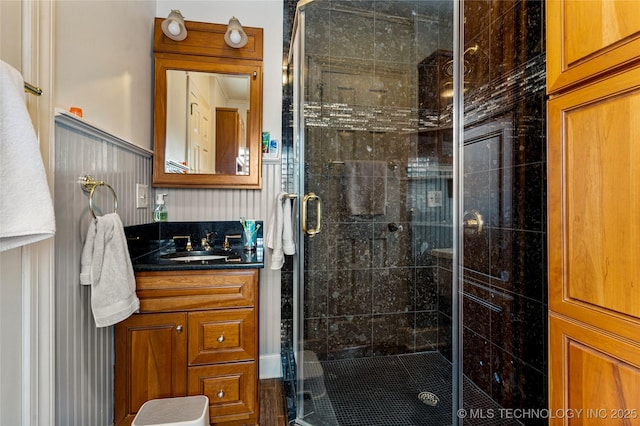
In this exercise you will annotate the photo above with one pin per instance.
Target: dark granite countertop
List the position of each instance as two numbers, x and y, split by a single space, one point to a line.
237 259
149 243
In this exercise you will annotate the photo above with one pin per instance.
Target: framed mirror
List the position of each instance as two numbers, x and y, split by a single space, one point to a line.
207 110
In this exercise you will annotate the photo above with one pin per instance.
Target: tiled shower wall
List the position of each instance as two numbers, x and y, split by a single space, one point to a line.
505 290
84 353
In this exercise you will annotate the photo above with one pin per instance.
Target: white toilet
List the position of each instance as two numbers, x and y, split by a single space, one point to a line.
181 411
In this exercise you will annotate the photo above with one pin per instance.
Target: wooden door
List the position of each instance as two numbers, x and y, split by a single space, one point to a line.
227 140
594 247
151 354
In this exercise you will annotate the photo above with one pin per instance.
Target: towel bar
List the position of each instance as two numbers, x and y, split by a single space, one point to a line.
89 184
392 164
30 88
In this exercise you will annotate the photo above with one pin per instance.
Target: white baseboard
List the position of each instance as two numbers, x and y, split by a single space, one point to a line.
270 366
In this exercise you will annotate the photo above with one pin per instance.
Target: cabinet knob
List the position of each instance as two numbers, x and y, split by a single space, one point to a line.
179 329
220 339
220 394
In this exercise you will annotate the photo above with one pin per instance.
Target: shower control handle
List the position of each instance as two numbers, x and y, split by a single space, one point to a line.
472 222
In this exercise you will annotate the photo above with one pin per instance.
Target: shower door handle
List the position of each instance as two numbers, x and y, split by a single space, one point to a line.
305 228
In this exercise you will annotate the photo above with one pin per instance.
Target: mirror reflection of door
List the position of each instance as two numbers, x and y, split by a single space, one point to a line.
199 143
195 141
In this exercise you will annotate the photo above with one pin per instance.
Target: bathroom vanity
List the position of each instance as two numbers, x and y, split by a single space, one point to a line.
196 333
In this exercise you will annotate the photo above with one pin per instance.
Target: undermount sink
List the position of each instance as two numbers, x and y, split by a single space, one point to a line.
190 256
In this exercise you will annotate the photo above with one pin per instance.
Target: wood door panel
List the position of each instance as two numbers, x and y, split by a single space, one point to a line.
221 336
594 194
594 376
150 361
586 39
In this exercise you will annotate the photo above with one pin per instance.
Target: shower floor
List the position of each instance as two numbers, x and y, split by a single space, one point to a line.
383 391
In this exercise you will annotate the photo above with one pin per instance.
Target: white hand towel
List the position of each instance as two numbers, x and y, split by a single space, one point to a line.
288 246
26 210
274 234
280 233
106 266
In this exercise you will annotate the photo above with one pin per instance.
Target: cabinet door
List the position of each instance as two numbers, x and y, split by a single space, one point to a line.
594 376
594 200
587 38
150 361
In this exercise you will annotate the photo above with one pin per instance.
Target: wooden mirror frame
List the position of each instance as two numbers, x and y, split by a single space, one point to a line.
204 50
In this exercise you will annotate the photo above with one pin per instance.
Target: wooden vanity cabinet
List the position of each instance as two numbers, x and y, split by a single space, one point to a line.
196 333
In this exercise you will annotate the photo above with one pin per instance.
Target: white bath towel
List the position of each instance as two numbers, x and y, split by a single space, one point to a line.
106 266
26 210
280 233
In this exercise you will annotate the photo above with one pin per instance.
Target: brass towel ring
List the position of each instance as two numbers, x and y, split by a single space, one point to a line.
89 184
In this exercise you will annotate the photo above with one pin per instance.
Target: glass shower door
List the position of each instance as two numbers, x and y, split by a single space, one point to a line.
373 138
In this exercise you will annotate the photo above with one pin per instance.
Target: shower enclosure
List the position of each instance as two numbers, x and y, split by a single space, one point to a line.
419 289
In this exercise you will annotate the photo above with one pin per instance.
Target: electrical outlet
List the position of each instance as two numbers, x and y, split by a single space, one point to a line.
142 196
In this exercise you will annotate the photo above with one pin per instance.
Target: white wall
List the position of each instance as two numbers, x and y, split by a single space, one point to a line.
104 64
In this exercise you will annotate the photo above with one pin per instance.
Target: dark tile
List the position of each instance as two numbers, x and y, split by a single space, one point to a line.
476 355
445 336
392 244
516 384
477 308
393 290
518 262
354 245
316 289
350 292
426 289
426 331
445 294
393 334
349 337
316 335
519 327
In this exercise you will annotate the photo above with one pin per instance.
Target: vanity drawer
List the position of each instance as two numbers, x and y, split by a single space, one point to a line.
221 336
196 290
231 389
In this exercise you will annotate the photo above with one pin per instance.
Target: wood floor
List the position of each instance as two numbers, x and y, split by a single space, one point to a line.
272 408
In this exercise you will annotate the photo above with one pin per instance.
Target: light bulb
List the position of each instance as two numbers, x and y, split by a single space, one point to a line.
235 37
174 27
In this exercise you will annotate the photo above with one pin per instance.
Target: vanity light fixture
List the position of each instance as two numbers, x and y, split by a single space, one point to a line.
173 27
235 36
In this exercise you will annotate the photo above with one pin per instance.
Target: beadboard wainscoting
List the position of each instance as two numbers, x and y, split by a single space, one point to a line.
84 353
231 204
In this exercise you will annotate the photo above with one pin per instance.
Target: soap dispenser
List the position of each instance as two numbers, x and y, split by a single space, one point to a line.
160 213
